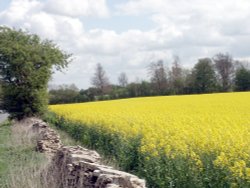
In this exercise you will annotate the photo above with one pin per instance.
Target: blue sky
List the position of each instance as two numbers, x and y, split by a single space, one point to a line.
120 23
127 35
4 4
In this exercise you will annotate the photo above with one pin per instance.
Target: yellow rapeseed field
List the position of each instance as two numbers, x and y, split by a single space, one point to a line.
189 126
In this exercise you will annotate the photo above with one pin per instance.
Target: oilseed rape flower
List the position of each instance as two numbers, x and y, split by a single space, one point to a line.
209 132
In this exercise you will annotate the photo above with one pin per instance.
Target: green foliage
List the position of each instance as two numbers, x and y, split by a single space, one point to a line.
242 79
64 94
26 64
204 80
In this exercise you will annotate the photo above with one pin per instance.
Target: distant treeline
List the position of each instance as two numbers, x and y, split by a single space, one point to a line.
218 74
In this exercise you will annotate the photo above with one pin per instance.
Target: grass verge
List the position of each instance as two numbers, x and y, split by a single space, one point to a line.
20 164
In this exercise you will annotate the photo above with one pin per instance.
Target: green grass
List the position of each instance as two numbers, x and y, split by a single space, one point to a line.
4 151
66 139
20 164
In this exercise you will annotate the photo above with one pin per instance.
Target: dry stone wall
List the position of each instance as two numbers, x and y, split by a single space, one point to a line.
78 167
48 140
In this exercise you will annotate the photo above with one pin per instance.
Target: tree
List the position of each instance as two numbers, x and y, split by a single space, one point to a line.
225 69
242 79
123 79
64 94
203 75
133 89
158 77
100 80
145 88
176 76
89 94
26 64
189 81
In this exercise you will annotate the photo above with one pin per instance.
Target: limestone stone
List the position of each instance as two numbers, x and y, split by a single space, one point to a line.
78 167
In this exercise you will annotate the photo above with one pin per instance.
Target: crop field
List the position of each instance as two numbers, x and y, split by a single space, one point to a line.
172 141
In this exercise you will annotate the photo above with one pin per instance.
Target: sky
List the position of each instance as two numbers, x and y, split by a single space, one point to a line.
127 35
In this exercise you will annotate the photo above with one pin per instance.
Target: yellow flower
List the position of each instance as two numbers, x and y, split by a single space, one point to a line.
221 160
187 126
238 169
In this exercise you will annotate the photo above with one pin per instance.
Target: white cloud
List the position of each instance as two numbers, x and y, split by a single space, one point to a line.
190 29
19 11
208 25
77 7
